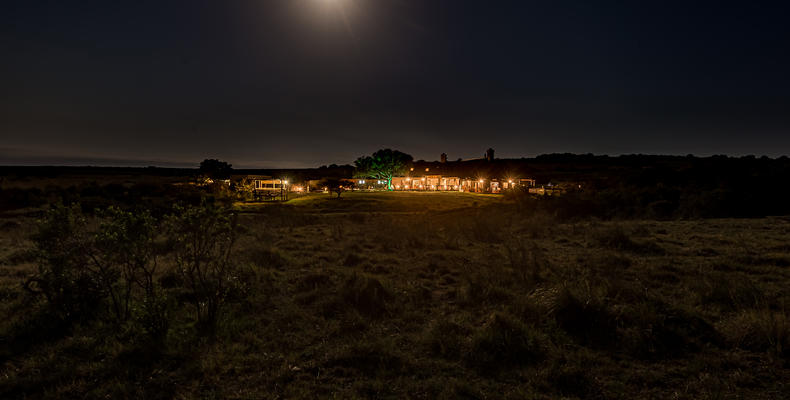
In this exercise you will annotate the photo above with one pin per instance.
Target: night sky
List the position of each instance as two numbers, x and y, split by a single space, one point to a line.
298 83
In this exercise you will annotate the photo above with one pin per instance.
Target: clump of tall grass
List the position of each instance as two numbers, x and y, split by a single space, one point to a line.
446 338
367 295
584 314
616 238
653 329
760 330
730 291
371 357
405 232
313 281
526 259
352 260
505 341
283 215
487 226
570 376
485 284
265 256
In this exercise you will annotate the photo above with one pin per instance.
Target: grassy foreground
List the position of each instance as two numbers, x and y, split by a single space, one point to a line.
443 295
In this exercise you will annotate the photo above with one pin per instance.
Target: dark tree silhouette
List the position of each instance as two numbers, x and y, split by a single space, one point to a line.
215 169
383 165
338 186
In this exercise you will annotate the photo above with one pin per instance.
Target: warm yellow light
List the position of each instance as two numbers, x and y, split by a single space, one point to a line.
285 182
481 181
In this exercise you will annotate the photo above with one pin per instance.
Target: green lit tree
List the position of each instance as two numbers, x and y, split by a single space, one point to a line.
382 165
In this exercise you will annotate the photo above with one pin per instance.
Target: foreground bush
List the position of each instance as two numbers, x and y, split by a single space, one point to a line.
62 244
202 241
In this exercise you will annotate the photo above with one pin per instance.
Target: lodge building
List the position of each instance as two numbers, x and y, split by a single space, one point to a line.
478 175
454 183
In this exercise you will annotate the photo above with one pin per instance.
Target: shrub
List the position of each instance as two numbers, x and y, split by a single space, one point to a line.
203 239
61 242
123 255
11 198
81 269
154 318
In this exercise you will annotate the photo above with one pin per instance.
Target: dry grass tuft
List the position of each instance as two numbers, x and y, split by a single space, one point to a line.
758 330
505 341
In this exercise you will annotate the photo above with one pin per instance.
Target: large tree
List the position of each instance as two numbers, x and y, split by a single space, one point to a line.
215 169
383 165
335 185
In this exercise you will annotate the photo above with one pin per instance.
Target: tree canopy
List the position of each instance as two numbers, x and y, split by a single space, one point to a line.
383 165
335 185
215 169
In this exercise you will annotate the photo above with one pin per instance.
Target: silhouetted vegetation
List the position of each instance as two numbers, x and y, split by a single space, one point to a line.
202 242
336 186
215 169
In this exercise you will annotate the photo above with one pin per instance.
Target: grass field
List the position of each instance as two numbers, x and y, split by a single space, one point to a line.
380 202
444 295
